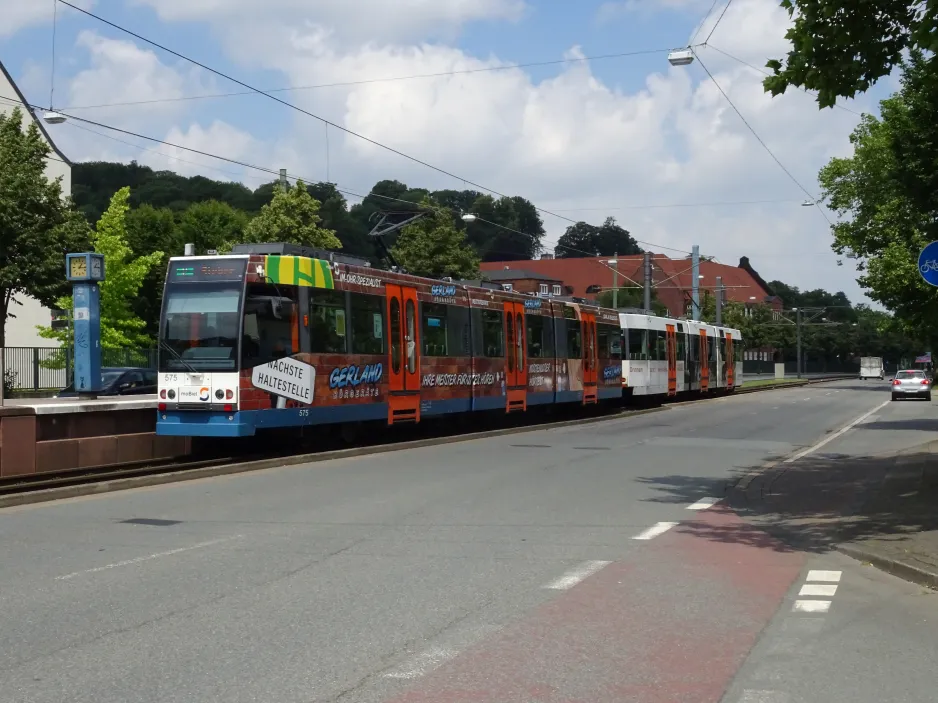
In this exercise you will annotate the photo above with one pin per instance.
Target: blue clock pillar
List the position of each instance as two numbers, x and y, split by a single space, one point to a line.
86 271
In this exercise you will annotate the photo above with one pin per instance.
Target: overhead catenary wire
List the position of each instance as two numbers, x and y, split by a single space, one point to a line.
719 19
761 141
702 23
369 81
299 109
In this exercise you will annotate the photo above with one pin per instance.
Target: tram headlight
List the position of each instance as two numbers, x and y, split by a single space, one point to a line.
171 394
220 394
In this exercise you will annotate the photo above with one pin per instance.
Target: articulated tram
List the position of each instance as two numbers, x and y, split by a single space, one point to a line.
279 336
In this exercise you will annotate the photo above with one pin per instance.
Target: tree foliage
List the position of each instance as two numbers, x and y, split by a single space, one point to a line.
292 217
432 246
632 298
887 197
582 239
842 47
124 274
37 227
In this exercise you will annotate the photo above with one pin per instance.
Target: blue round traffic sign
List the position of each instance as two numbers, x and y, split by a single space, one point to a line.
928 264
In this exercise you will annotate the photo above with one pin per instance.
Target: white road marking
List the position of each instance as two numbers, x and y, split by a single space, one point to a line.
835 435
703 504
752 696
811 606
818 589
655 530
829 576
574 576
423 663
138 560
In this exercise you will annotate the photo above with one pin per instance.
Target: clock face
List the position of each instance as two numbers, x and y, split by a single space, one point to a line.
96 268
78 267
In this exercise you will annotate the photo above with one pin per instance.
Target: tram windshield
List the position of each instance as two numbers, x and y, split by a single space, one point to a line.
201 316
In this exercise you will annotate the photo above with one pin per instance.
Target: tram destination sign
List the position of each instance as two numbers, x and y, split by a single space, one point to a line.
287 378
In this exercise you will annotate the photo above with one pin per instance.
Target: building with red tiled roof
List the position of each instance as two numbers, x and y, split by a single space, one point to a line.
671 278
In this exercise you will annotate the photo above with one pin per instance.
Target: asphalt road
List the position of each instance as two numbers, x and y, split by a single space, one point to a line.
556 565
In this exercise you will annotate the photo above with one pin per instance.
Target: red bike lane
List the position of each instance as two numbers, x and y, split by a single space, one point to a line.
673 621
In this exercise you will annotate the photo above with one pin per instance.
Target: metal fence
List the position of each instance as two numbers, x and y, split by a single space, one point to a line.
38 369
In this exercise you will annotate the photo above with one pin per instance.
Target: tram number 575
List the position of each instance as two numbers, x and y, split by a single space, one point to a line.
304 412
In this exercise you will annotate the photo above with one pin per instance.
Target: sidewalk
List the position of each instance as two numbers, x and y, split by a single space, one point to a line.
879 509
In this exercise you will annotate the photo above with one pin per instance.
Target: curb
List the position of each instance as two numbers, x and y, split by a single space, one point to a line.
908 572
120 484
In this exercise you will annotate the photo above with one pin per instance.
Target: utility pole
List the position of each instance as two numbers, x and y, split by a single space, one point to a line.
615 281
695 282
798 336
719 301
647 281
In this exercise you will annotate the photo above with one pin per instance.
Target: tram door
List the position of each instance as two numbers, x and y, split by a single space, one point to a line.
403 355
516 370
671 339
730 363
704 362
590 358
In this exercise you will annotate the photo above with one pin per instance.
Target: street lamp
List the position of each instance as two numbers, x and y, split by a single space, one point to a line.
469 217
681 57
808 203
52 117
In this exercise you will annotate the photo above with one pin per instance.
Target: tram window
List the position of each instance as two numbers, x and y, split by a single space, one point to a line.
519 337
271 325
434 322
712 344
493 334
660 345
681 344
538 340
695 347
367 323
602 341
410 335
396 335
510 329
638 344
574 340
458 331
327 324
609 341
200 323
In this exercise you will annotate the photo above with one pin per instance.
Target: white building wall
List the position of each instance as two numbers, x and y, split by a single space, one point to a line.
21 330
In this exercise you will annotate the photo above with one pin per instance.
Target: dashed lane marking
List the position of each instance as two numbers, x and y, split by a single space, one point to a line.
423 663
753 696
828 576
835 435
657 529
575 575
703 504
818 589
811 606
138 560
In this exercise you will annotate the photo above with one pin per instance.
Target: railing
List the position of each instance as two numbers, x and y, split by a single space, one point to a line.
46 369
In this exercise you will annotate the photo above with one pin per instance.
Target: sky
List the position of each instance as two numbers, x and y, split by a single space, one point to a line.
589 133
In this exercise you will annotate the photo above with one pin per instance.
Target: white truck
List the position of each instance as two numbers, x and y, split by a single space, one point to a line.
872 367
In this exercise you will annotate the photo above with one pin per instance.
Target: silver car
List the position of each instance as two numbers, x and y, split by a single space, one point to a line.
911 383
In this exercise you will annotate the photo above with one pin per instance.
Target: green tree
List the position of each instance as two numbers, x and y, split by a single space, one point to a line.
842 47
582 239
632 298
124 274
433 247
37 227
292 217
209 225
152 229
886 195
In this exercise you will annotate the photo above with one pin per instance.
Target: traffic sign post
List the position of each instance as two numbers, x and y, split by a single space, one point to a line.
86 271
928 264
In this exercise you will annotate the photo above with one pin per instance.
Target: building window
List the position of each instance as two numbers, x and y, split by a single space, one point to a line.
507 287
556 290
543 288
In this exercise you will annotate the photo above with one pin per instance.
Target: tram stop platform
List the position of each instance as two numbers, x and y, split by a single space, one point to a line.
59 434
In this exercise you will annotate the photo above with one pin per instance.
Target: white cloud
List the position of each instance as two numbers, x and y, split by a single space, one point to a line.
357 20
18 14
568 142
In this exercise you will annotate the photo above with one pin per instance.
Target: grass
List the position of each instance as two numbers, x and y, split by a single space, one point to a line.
770 381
